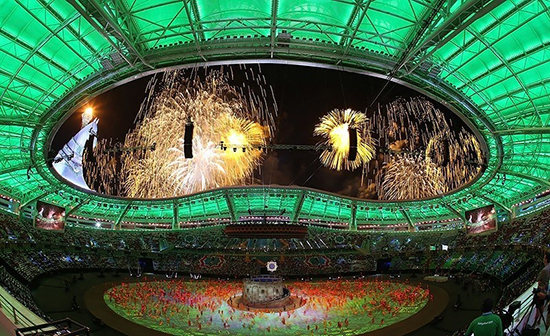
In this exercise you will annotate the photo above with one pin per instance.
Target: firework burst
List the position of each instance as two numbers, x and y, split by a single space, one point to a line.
334 128
205 171
411 176
244 138
458 158
219 112
432 158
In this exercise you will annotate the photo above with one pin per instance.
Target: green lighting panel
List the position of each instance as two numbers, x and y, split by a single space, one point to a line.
489 61
261 201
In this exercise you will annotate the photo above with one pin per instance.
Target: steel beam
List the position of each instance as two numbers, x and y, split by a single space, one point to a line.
84 11
353 217
97 10
9 170
488 28
454 25
521 130
35 198
298 207
52 34
528 166
349 41
488 199
127 18
230 206
409 220
509 67
273 32
122 214
527 177
453 210
78 206
17 122
193 30
200 28
424 23
176 215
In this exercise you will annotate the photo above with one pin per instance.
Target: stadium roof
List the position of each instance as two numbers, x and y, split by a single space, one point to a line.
488 61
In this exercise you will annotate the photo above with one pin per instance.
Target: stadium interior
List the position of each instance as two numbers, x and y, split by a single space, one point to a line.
444 210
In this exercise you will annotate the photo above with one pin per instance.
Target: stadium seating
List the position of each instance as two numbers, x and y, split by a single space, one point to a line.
509 256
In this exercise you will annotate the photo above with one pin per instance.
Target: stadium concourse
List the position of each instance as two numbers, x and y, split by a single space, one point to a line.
460 176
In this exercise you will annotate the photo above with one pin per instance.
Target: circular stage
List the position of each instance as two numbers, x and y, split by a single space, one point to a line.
292 302
334 307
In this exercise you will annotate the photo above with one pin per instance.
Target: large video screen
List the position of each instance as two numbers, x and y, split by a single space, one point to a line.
49 217
481 220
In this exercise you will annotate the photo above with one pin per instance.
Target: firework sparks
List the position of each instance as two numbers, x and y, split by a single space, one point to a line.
213 166
334 127
458 158
419 154
219 111
431 159
410 176
205 171
245 139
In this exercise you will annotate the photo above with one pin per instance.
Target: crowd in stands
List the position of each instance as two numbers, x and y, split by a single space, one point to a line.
531 230
519 285
513 248
30 264
499 264
19 291
406 242
16 233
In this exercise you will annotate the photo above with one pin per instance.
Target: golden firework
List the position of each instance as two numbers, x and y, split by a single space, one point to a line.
205 171
458 157
219 112
244 139
334 128
411 176
433 158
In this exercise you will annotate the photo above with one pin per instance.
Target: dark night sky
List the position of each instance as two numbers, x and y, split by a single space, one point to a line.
303 94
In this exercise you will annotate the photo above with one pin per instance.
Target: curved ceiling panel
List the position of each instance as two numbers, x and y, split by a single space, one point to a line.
487 60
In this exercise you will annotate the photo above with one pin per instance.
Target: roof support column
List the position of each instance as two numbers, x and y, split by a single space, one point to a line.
298 207
230 206
274 9
176 216
85 11
409 221
193 29
527 177
78 206
32 199
497 203
349 40
453 210
353 219
117 225
453 26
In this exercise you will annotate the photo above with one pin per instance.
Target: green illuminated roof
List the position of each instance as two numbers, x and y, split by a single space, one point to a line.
488 61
